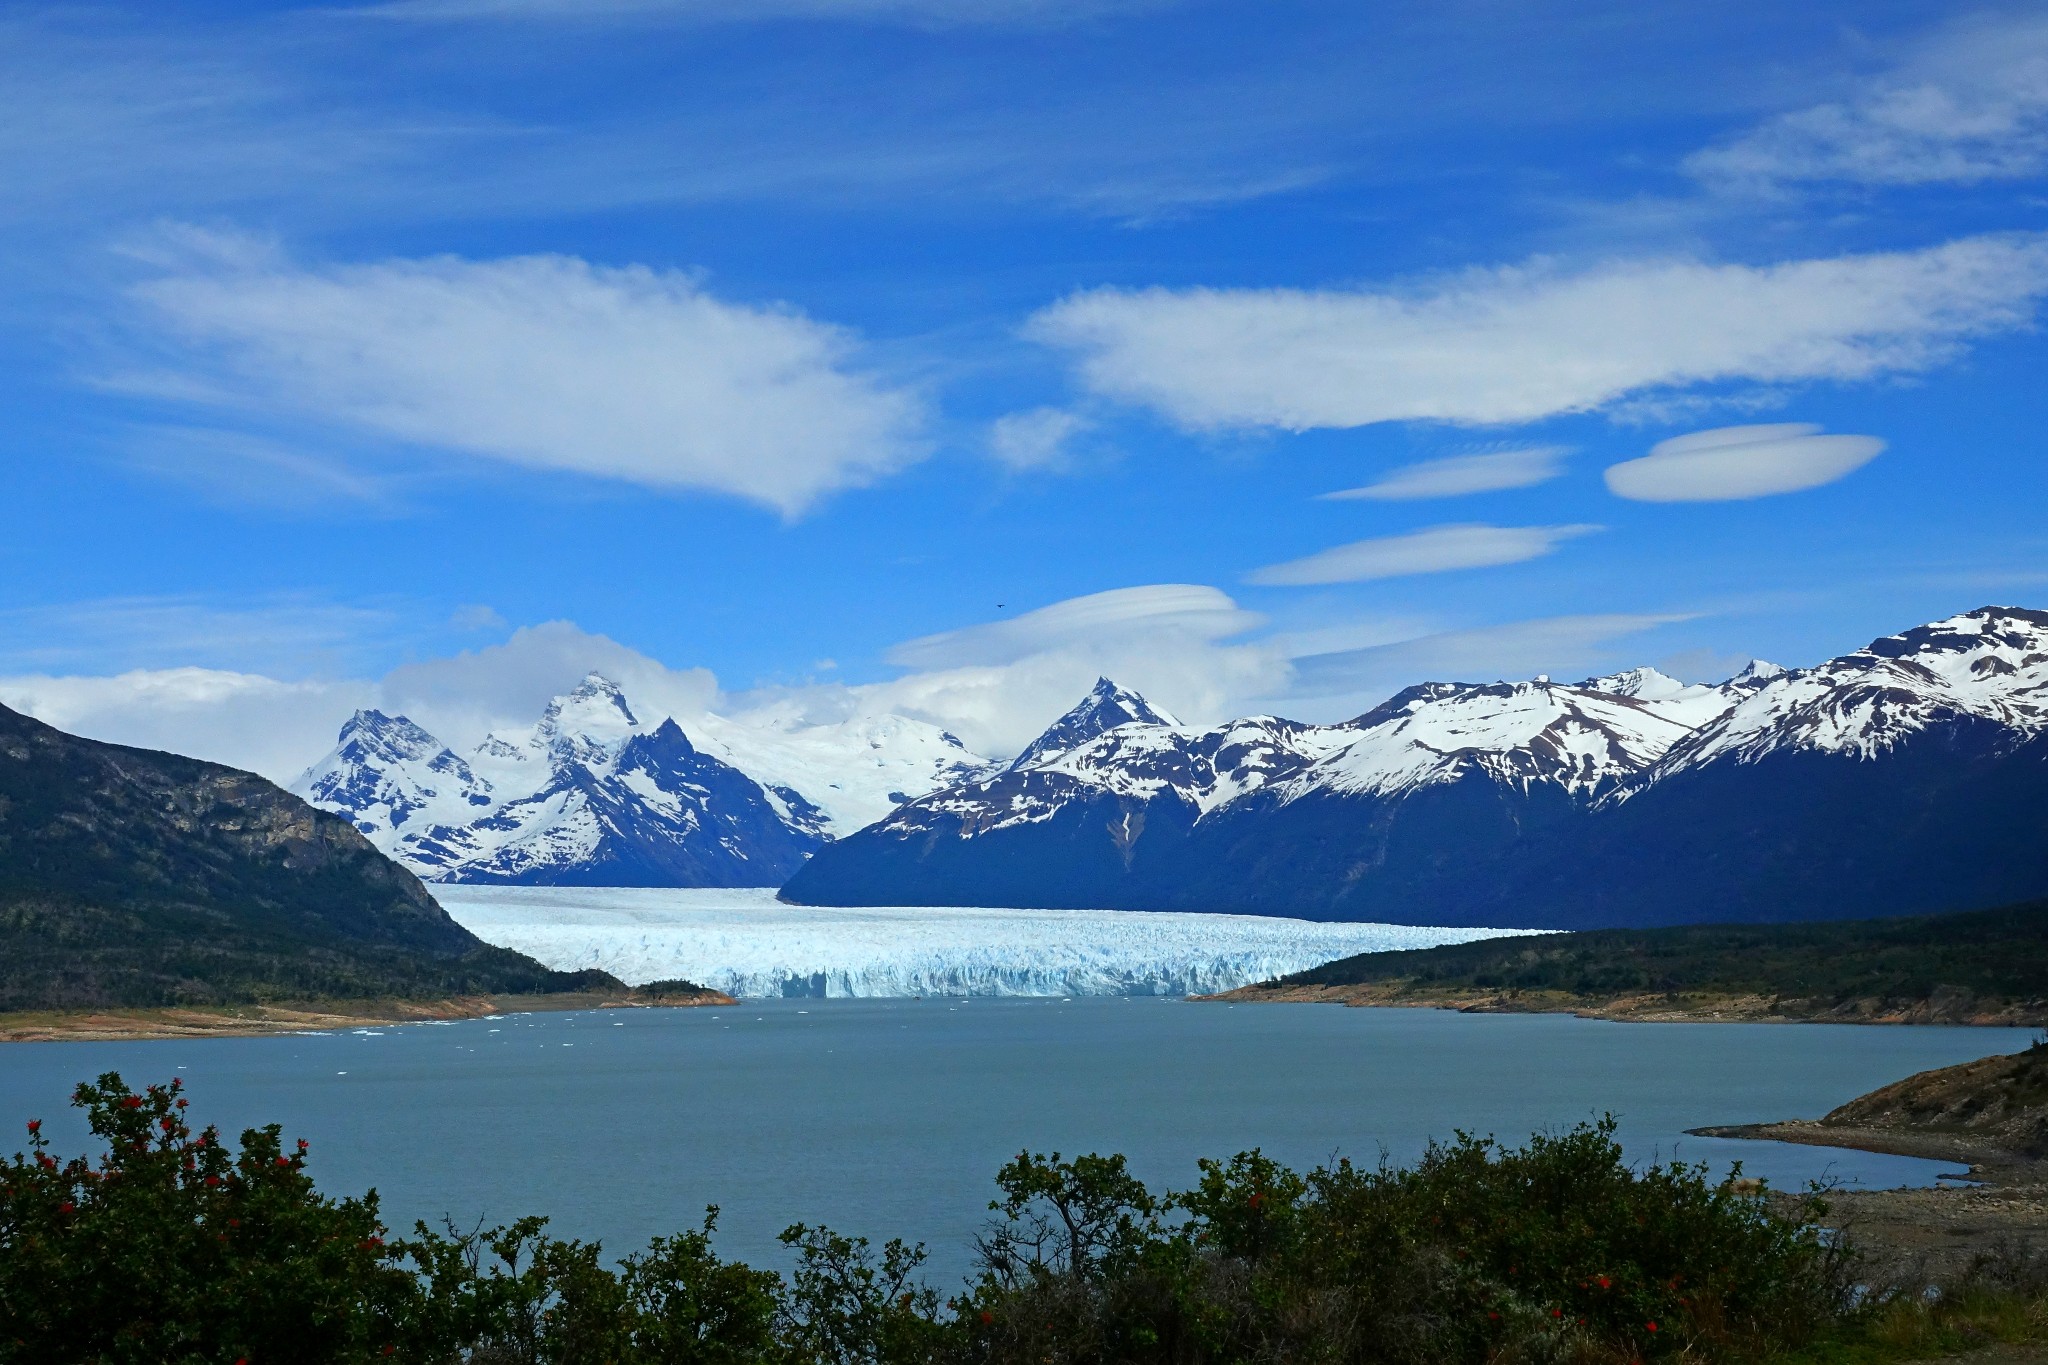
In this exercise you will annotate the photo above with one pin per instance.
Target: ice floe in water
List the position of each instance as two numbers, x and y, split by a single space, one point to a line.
746 943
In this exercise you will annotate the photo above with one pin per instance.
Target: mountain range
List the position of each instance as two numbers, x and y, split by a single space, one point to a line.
593 794
1910 775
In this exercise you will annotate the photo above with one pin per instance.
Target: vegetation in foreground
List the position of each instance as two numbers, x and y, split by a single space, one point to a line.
1976 966
169 1247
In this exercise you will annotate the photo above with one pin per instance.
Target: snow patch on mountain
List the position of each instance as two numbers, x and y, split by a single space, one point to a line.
1991 663
854 771
747 944
1581 739
1587 739
1105 708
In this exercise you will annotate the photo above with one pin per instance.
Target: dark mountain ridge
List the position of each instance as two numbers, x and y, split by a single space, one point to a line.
132 877
1910 776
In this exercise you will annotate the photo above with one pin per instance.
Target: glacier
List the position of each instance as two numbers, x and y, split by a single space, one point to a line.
748 944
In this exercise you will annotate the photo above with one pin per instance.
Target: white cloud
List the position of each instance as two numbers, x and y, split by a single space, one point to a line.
1972 106
1517 344
1459 475
1435 549
1563 646
1035 440
548 362
996 686
244 720
464 697
1186 610
276 728
237 468
279 634
1730 463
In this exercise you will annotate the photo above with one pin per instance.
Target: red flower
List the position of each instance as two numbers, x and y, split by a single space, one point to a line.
303 1144
212 1180
35 1125
132 1102
390 1350
1651 1325
1606 1283
987 1317
67 1207
183 1103
282 1162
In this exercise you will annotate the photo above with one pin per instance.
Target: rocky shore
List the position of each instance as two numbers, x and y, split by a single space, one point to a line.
1988 1116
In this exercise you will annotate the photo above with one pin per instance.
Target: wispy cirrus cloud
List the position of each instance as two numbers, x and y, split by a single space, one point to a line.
1971 106
1191 610
1727 464
920 13
1521 343
1040 439
1562 645
546 362
1458 475
285 634
1436 549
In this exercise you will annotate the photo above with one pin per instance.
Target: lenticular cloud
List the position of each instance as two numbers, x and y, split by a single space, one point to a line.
1521 343
1732 463
544 361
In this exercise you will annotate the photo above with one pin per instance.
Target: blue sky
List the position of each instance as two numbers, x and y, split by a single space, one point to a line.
853 350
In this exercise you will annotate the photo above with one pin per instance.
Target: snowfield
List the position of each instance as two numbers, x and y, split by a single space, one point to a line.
746 943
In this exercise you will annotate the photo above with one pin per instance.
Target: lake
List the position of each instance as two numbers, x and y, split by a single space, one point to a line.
889 1117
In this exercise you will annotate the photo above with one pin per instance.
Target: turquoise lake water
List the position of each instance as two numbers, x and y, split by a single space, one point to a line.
889 1117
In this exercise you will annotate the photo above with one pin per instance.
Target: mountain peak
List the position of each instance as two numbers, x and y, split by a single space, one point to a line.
596 687
595 712
1644 684
391 738
1755 674
1106 706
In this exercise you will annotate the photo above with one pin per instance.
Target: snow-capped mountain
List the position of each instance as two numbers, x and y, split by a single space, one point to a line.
589 795
1105 708
1115 765
594 794
1991 664
1865 785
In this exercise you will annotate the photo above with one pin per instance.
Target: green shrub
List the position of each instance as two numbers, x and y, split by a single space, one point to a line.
171 1249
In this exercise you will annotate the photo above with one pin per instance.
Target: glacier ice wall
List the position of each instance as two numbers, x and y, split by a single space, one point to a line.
748 944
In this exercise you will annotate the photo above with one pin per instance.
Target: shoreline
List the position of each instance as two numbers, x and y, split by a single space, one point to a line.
131 1024
1642 1009
1922 1234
